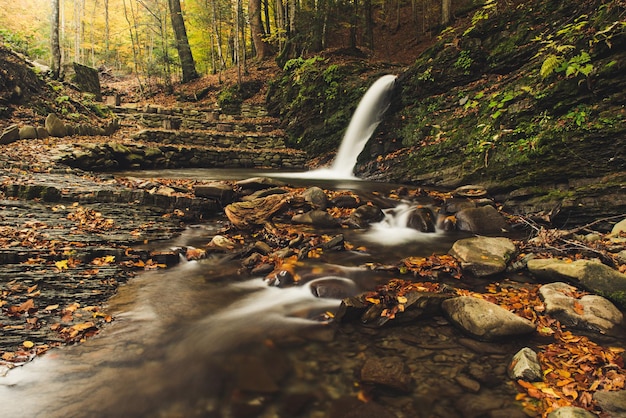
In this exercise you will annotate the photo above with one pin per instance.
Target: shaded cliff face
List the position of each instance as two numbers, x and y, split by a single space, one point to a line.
527 100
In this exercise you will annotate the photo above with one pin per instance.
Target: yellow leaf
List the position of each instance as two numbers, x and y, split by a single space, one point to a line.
402 299
61 264
28 344
373 300
109 259
51 307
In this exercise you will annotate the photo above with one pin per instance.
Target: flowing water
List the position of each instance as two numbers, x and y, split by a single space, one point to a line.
202 340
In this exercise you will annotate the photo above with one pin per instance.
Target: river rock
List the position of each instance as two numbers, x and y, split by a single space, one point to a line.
333 287
257 183
422 219
525 365
55 126
28 132
591 312
345 201
316 197
10 134
365 215
218 191
386 371
470 190
591 274
571 412
619 228
483 256
456 204
483 220
612 402
317 218
485 320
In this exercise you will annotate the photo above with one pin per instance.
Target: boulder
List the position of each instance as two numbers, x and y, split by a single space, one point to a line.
612 402
525 365
483 256
219 191
55 126
42 133
365 215
316 197
87 80
482 220
316 218
28 132
10 134
485 320
333 287
422 219
591 274
590 312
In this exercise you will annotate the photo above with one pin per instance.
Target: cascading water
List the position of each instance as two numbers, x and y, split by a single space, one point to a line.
368 115
366 118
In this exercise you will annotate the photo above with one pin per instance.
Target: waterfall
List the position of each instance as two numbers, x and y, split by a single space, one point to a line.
366 118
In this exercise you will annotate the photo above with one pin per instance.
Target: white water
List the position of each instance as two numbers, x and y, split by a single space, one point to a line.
366 118
394 230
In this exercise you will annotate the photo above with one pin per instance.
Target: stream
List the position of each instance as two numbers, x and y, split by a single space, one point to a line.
201 340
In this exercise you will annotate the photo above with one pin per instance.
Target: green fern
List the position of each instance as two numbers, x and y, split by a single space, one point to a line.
549 65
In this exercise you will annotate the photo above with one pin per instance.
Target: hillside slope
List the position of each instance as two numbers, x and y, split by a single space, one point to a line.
528 100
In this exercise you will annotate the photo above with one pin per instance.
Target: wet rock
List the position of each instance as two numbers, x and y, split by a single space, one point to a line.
591 274
365 215
262 247
483 220
468 384
422 219
316 218
316 197
222 243
55 126
28 132
42 133
351 407
218 191
264 193
479 405
252 260
336 243
483 256
262 269
10 134
525 365
282 278
345 201
613 402
389 372
470 190
456 204
333 287
571 412
485 320
258 183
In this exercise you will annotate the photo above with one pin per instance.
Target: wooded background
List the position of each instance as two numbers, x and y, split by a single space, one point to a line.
181 39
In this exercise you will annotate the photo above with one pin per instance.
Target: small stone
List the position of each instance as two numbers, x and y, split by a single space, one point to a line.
316 197
618 228
10 134
28 132
571 412
483 256
525 366
483 220
387 371
468 384
55 126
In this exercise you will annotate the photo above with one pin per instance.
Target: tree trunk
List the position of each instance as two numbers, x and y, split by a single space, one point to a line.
182 42
256 29
446 11
54 41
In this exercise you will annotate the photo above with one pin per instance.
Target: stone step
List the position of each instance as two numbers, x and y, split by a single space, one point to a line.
213 138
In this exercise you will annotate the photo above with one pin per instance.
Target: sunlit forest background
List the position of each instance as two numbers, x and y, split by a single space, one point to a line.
136 36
